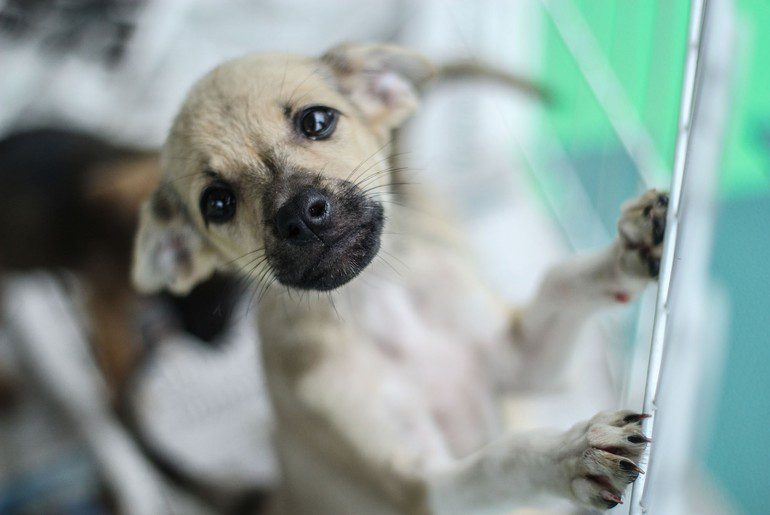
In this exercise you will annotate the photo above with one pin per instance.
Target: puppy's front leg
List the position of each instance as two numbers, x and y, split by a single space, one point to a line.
357 403
544 330
591 465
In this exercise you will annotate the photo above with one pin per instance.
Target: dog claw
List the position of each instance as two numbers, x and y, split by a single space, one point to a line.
658 230
639 439
653 267
630 466
636 417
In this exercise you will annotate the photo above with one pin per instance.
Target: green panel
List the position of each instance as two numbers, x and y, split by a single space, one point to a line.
630 56
738 448
575 114
746 166
665 62
644 42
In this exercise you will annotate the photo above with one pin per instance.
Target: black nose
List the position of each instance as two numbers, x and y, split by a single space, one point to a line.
304 217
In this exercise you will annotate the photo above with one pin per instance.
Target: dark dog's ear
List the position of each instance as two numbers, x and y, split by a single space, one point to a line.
382 80
169 252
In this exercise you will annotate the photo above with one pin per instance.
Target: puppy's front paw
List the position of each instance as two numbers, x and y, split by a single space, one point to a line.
641 229
600 457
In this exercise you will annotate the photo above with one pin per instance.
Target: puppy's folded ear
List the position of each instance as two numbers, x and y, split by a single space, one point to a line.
382 80
169 252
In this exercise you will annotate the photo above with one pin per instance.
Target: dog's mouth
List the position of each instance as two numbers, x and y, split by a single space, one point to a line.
331 257
338 263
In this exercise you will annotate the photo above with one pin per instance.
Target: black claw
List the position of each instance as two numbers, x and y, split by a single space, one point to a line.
610 504
633 476
635 417
658 230
630 466
663 199
653 266
638 439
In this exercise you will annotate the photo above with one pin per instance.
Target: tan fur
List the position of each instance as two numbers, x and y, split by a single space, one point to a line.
125 183
236 113
384 390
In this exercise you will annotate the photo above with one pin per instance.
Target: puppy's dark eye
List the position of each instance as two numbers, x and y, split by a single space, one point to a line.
317 122
217 203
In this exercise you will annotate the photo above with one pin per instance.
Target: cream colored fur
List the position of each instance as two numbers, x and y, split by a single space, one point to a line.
385 390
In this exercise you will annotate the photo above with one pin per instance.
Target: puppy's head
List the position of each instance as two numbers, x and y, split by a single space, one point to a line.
275 162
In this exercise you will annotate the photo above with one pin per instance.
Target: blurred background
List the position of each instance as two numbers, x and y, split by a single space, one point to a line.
115 403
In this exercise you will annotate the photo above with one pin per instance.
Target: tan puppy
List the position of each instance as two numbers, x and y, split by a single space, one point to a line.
385 388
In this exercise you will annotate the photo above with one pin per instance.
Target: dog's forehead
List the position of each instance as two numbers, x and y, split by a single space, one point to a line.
238 112
267 76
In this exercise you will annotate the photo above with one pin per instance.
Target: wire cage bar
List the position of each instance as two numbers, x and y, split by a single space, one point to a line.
677 351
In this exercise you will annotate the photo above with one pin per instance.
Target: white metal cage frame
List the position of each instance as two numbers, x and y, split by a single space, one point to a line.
681 335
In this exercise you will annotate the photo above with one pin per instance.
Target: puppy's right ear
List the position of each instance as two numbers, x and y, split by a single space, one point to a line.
169 252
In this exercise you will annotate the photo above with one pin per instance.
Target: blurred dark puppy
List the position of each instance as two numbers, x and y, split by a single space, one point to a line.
71 204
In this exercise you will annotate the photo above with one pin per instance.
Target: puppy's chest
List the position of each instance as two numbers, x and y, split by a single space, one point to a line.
429 324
